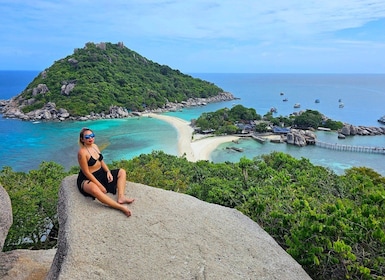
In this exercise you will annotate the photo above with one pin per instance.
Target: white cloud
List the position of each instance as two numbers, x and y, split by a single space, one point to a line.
216 31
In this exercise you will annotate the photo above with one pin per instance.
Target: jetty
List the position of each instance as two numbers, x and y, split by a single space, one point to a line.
350 148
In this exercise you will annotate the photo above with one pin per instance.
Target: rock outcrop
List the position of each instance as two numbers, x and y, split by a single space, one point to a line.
25 264
169 236
6 217
300 137
351 130
49 112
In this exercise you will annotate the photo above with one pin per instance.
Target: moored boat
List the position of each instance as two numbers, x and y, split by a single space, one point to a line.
382 120
260 139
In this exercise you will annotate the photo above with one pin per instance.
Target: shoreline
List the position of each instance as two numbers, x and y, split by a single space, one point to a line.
194 149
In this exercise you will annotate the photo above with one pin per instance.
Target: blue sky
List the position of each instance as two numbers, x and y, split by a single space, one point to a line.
196 36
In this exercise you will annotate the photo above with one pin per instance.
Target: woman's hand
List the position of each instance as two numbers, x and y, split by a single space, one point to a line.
109 176
103 189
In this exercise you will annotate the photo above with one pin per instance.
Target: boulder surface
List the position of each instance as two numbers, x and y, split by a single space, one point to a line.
169 236
6 217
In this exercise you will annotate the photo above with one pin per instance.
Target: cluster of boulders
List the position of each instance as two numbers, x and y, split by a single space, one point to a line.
194 102
351 130
13 108
300 137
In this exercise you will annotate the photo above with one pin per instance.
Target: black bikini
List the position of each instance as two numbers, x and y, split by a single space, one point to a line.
92 161
100 175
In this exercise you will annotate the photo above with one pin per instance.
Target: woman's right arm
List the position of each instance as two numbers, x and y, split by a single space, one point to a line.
82 159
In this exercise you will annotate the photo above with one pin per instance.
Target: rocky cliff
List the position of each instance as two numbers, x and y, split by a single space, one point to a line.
169 236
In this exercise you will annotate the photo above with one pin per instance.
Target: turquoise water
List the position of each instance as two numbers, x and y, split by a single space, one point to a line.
25 145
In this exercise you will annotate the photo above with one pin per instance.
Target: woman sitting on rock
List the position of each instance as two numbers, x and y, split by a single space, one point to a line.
95 179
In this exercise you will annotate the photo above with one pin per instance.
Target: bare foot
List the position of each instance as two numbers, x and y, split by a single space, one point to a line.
126 200
126 211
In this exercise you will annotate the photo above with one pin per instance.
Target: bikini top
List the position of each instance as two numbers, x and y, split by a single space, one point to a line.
92 161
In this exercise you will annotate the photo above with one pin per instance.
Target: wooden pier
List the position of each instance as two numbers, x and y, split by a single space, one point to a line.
350 148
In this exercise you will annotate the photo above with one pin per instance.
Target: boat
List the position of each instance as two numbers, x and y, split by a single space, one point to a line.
341 105
317 101
285 99
259 139
297 105
382 120
273 110
281 93
341 136
240 150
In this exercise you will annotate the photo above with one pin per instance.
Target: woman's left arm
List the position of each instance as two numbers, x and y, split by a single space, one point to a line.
105 167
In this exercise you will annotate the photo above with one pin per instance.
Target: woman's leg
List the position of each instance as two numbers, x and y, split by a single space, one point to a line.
92 189
121 186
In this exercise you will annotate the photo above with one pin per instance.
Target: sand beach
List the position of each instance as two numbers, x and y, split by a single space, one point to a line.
194 146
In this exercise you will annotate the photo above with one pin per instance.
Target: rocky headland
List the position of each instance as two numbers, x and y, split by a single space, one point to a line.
11 108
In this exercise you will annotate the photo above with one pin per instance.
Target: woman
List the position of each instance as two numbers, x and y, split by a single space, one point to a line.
95 179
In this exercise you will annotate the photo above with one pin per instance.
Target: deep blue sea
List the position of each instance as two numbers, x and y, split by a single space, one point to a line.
24 145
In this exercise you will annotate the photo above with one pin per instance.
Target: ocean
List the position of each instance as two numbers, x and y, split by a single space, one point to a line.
25 144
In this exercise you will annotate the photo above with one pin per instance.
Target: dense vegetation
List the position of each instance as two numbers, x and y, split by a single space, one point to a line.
314 119
334 226
110 74
223 120
229 121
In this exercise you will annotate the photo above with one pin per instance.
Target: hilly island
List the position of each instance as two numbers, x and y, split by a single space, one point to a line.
107 80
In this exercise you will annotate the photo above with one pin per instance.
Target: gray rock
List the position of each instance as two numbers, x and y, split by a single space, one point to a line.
67 88
40 89
6 218
169 236
297 137
25 264
345 130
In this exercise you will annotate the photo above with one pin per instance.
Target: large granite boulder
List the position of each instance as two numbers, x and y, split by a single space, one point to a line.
169 236
296 137
25 264
6 218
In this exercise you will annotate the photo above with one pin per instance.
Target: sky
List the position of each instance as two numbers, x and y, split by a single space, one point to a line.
202 36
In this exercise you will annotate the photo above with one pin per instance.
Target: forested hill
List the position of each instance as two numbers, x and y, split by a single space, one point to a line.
98 76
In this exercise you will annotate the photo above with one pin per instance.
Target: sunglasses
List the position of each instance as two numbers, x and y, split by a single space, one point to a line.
89 136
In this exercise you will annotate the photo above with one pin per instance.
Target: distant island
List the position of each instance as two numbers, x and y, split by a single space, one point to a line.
108 80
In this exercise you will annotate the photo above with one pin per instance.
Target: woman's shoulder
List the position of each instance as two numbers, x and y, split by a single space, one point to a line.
82 150
96 147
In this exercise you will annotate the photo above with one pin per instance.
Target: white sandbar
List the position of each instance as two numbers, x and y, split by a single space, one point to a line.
194 150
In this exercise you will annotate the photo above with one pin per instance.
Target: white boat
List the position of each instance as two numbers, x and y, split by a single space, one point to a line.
297 105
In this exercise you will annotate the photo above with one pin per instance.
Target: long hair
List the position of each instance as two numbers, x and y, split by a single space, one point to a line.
81 135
